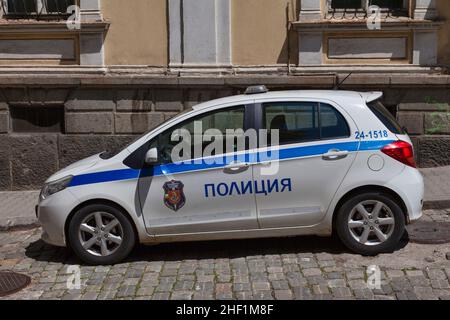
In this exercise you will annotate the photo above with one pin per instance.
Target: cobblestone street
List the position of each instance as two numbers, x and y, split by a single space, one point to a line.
294 268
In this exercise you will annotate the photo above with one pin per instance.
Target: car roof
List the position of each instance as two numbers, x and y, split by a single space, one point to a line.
333 95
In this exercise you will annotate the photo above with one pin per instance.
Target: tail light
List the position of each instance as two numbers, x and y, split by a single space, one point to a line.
401 151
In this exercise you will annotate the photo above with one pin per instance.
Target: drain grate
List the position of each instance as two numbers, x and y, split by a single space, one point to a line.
429 232
11 282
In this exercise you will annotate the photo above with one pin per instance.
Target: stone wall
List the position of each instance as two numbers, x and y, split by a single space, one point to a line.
107 118
95 120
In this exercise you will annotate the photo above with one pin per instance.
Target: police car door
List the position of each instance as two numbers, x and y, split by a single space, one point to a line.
202 195
315 153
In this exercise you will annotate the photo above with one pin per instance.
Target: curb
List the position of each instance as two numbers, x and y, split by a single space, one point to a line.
436 205
12 224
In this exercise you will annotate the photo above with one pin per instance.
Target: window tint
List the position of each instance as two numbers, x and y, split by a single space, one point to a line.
295 122
385 117
232 118
304 121
332 123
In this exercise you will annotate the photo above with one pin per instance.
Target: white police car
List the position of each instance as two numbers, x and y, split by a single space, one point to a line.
342 164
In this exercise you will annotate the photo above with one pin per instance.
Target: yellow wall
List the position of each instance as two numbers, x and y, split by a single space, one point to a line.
138 32
444 34
259 33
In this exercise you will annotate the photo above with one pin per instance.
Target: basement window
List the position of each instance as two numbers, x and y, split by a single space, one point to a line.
37 119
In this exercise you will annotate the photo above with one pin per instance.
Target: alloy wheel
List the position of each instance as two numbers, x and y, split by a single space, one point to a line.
100 234
371 222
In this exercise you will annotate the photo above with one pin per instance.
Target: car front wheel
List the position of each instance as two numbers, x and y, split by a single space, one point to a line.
370 223
101 234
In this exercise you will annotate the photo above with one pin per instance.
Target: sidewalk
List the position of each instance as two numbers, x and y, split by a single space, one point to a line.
17 208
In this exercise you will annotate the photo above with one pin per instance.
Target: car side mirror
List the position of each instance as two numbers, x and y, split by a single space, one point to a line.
151 157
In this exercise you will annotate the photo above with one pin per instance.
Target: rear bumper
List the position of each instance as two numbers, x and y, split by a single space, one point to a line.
410 187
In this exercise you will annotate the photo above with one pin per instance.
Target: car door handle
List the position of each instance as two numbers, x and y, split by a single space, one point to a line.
335 154
236 167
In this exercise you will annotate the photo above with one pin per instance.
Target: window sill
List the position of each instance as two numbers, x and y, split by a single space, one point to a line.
360 24
9 25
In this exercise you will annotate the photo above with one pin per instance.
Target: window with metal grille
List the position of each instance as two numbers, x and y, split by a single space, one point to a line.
399 7
37 119
388 4
346 4
36 8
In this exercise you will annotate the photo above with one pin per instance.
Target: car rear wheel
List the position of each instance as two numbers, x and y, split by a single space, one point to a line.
370 223
101 234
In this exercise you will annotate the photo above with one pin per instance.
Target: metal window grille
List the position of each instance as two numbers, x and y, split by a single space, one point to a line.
36 9
360 8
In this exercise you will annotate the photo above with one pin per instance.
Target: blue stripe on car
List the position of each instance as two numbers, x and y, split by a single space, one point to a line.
252 158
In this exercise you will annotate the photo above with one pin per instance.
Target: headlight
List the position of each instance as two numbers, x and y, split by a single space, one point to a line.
54 187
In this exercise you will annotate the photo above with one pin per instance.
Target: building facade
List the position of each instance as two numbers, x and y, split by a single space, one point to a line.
81 76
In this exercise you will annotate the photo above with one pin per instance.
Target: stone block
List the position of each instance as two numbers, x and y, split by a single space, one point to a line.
412 121
56 96
437 123
33 160
5 169
133 123
101 122
72 148
90 100
194 97
434 151
3 101
17 96
37 96
134 100
4 122
169 115
168 100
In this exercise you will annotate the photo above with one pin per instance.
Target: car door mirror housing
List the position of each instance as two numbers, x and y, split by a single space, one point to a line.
151 157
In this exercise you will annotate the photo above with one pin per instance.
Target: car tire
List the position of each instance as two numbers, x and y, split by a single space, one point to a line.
101 234
370 223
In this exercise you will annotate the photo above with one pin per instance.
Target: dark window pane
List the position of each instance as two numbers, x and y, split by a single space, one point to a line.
385 117
332 123
232 118
295 122
346 4
21 6
58 6
389 4
37 119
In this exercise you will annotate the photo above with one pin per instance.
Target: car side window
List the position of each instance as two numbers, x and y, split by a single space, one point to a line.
298 122
231 118
295 121
332 123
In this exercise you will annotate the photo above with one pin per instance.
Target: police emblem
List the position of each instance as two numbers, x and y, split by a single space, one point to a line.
173 195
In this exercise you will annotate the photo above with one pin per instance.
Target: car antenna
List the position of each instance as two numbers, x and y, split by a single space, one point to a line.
336 87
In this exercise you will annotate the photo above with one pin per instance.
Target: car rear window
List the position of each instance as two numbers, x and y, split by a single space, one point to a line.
385 117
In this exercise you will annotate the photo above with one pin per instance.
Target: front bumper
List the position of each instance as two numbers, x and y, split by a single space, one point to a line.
52 213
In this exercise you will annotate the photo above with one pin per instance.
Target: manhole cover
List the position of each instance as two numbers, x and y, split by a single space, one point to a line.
429 232
11 282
